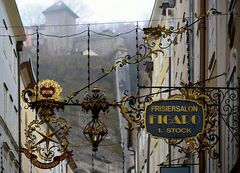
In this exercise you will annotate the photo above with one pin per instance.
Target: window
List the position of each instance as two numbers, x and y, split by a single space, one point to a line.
11 163
15 68
10 57
4 159
16 168
163 81
2 32
167 69
184 59
178 25
5 100
16 124
231 30
5 24
5 40
211 64
5 150
10 113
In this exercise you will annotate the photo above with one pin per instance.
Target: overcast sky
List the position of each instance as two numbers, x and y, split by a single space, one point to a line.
92 11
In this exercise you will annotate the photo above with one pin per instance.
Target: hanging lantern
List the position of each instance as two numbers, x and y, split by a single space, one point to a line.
95 103
95 131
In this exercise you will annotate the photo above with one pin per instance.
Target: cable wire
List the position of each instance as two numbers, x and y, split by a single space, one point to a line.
117 22
73 35
113 36
98 33
63 36
19 35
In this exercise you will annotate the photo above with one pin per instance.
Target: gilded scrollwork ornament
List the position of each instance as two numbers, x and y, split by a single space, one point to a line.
168 36
207 139
145 52
44 97
132 110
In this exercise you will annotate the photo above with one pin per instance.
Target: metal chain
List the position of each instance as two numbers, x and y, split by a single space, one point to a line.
2 169
61 167
30 167
88 48
138 66
93 154
123 157
37 76
188 48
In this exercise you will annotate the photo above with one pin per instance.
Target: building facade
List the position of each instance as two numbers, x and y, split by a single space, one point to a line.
206 55
10 45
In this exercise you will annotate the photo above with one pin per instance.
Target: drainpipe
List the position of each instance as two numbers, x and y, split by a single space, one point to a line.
169 83
148 154
191 43
134 166
138 152
19 48
129 146
202 32
149 137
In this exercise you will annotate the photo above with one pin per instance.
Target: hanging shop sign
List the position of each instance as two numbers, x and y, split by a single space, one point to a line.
174 119
175 169
46 137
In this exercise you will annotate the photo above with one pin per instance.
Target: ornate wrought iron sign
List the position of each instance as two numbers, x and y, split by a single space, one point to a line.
174 119
46 137
193 106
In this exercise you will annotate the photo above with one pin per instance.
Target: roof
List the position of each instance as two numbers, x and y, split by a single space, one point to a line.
59 6
15 19
27 74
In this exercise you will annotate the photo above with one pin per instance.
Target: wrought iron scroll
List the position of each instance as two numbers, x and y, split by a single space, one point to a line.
144 53
228 101
171 36
132 109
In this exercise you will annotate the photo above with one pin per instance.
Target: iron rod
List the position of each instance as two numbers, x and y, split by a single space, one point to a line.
180 87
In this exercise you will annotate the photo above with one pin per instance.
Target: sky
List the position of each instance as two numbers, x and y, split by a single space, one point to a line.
90 11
